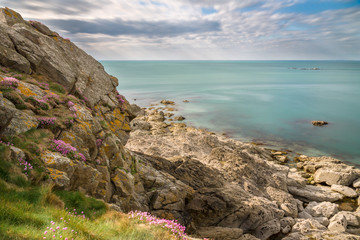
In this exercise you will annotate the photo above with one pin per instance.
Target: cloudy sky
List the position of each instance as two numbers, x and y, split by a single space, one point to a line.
203 29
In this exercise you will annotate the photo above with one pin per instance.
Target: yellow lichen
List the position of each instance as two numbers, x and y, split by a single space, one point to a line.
26 91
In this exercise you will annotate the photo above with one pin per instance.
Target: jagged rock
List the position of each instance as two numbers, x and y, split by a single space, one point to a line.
346 191
338 223
85 178
307 225
221 233
54 57
315 193
159 117
323 221
179 118
167 102
20 122
124 182
351 218
287 221
356 183
290 209
140 124
104 189
268 229
319 123
17 153
337 175
323 209
59 178
304 215
57 161
282 159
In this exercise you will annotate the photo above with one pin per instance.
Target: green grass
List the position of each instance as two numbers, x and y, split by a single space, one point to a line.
57 88
25 213
26 210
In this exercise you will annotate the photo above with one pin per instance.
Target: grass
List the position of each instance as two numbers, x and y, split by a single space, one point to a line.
26 213
26 210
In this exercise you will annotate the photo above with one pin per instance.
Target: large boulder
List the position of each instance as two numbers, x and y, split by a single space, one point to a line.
34 45
310 193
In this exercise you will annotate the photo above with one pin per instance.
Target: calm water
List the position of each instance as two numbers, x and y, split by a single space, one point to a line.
268 101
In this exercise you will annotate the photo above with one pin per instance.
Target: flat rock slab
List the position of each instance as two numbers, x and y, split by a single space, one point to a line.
311 193
346 191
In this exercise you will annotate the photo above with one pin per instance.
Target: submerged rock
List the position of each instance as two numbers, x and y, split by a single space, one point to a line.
319 123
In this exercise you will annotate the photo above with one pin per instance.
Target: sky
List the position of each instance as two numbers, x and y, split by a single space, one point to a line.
203 29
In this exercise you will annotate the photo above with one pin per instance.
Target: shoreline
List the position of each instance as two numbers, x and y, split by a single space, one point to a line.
275 145
243 175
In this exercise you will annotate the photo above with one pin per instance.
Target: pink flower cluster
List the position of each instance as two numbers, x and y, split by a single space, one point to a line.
46 121
66 150
6 143
120 98
44 85
10 82
27 166
99 142
57 232
72 108
177 229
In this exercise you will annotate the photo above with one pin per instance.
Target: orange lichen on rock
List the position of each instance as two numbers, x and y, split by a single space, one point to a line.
25 91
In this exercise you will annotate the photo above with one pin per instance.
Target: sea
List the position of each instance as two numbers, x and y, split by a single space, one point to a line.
266 102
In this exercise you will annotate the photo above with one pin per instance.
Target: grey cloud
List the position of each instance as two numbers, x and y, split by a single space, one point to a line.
120 27
69 7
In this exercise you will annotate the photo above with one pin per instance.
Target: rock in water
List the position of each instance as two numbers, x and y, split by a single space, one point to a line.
319 123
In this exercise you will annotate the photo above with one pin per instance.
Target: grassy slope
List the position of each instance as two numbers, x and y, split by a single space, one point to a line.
26 210
28 207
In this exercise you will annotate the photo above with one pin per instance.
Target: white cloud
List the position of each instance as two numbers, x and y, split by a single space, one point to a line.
178 29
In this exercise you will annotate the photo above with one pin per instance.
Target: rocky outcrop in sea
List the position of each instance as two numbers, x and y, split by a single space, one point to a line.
135 159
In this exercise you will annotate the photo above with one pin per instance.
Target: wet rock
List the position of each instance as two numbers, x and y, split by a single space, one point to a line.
167 102
346 191
186 101
319 123
179 118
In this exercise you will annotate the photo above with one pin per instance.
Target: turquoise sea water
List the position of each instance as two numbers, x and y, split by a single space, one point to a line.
268 101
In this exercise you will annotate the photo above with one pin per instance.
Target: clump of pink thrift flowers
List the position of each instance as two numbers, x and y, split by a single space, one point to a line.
176 228
25 165
45 122
66 150
9 82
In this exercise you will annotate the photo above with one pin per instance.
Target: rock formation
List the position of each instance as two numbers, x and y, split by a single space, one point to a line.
132 158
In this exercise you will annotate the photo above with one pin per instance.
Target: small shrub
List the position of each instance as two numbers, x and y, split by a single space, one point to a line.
47 122
14 97
79 203
9 83
57 88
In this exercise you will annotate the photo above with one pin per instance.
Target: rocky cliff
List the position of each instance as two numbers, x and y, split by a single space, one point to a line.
62 113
